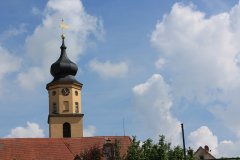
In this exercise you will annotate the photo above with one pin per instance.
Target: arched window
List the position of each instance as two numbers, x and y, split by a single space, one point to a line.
76 93
66 130
54 93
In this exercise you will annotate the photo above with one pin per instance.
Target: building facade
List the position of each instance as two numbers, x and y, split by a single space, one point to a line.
203 153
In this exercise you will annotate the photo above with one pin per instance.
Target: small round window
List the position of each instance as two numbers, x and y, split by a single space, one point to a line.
54 93
76 93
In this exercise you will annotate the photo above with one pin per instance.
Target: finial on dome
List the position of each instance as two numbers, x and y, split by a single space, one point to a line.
63 44
63 37
63 26
63 69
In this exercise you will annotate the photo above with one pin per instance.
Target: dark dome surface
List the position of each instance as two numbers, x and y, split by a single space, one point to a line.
64 70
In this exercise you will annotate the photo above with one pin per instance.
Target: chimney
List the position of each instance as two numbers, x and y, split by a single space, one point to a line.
206 148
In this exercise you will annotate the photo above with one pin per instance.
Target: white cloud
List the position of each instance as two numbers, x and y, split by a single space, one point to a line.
26 79
160 63
8 62
202 59
203 136
13 31
108 69
89 131
42 46
193 44
228 148
153 107
36 11
143 88
32 130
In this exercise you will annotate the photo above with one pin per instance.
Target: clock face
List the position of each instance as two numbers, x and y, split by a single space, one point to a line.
65 91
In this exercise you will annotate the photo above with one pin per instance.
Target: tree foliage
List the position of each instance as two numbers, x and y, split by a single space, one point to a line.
159 151
117 147
94 153
98 153
147 150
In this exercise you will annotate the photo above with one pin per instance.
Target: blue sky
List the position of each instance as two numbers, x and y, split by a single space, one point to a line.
154 64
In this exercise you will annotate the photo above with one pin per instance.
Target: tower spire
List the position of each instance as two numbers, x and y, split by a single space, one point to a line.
63 70
65 117
63 47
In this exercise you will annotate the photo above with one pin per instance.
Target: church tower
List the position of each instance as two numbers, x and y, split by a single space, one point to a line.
65 117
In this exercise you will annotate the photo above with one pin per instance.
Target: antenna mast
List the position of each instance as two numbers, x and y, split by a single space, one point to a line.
184 149
123 127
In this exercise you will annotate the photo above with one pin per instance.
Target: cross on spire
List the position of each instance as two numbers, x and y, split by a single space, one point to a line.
63 26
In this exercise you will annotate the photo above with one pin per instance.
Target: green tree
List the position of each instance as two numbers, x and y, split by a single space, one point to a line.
159 151
177 153
162 149
97 153
147 149
134 151
190 154
117 148
94 153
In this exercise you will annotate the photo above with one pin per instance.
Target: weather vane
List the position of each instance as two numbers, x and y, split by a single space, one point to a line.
63 26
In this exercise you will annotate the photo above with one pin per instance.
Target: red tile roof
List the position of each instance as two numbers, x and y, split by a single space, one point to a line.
54 148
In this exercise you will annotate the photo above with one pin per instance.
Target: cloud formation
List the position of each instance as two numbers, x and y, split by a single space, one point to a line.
228 148
32 130
8 62
89 131
108 69
203 136
202 59
12 32
42 47
192 44
153 109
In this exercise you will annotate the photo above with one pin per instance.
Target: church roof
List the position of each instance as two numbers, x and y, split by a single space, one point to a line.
64 70
54 148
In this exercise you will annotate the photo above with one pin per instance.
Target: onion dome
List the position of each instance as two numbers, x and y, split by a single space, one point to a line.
64 70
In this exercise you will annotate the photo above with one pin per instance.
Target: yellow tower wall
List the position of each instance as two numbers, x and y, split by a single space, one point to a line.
56 120
56 126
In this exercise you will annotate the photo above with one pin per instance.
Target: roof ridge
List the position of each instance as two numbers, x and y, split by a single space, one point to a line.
67 146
